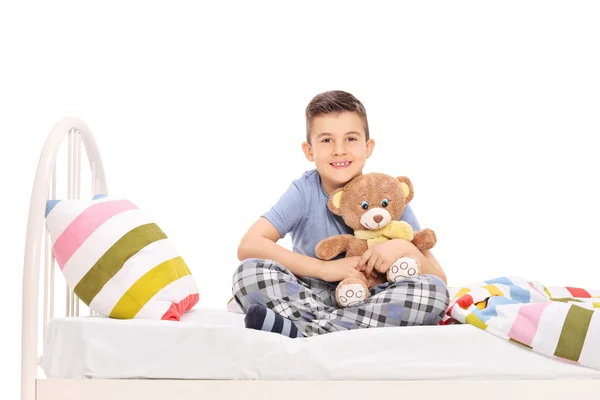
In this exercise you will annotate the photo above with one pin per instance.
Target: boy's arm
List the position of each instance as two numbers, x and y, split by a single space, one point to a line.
382 255
261 242
433 267
427 262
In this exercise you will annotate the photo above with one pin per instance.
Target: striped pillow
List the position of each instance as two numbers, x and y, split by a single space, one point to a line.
119 262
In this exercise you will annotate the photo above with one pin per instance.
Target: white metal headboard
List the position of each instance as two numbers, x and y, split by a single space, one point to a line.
44 188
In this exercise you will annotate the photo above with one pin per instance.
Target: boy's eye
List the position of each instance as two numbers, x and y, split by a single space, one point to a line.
326 140
352 139
364 205
385 203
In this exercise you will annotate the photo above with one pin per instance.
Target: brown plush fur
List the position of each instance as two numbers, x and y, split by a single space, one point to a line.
347 202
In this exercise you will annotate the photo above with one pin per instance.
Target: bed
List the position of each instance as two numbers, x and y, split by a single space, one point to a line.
69 352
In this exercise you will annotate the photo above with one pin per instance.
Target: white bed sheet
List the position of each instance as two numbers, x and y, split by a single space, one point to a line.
213 344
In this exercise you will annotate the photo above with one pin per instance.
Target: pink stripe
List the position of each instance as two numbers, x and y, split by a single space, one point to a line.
84 225
537 290
525 326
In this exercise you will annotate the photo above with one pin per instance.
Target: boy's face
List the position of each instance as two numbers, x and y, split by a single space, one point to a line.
338 147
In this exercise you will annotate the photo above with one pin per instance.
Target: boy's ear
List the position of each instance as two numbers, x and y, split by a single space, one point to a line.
335 200
370 146
308 153
407 188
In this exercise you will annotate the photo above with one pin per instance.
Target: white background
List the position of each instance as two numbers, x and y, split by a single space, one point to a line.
490 108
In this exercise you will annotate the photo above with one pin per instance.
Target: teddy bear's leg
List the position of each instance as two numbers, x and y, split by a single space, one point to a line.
351 292
404 267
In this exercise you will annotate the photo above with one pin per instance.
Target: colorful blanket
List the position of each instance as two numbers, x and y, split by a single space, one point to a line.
562 322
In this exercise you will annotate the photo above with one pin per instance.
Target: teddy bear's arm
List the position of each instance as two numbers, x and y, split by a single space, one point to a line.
331 247
356 247
424 239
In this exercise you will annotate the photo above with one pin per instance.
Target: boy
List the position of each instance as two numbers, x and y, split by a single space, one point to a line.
293 292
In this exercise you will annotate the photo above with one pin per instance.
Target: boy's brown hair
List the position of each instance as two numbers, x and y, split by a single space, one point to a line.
334 102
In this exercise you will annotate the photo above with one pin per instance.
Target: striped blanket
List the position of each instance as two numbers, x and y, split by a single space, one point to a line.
562 322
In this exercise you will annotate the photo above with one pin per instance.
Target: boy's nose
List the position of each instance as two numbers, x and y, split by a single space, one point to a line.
340 149
377 218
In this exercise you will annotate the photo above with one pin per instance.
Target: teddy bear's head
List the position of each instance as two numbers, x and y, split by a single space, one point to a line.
371 201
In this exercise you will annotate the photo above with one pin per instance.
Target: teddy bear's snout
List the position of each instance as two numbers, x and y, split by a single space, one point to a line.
377 218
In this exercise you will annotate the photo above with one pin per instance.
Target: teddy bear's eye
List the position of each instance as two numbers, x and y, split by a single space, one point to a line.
385 203
364 205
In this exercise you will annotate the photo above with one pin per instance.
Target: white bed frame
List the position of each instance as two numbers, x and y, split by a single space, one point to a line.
34 387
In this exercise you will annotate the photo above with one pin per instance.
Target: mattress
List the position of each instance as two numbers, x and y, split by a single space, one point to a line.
213 344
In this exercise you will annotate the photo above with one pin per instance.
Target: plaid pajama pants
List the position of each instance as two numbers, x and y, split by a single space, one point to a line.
310 303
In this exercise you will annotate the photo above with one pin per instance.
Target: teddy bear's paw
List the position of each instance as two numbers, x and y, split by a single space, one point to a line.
351 294
430 235
404 267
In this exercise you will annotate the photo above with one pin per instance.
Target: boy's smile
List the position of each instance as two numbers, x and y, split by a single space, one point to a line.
338 147
342 164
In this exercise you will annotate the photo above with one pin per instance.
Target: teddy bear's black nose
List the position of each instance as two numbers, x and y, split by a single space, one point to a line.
377 218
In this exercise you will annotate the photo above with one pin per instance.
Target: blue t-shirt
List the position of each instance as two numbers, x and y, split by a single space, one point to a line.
302 210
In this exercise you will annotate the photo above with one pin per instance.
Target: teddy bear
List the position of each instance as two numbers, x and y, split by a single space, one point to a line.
372 204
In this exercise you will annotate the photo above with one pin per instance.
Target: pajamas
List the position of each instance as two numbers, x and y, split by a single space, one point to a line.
310 303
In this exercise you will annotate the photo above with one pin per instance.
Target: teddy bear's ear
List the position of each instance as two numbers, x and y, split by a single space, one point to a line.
407 188
335 200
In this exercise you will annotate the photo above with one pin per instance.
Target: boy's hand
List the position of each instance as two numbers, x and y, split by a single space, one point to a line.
338 270
380 257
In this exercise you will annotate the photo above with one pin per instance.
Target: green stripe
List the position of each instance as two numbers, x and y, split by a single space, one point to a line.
147 286
566 299
547 291
112 261
517 342
574 331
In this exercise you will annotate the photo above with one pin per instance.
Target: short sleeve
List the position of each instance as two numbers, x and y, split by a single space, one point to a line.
410 217
287 213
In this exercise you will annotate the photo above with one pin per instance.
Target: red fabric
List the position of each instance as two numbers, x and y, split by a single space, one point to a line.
465 301
176 310
577 292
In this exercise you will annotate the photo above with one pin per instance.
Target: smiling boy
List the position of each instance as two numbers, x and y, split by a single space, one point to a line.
293 292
